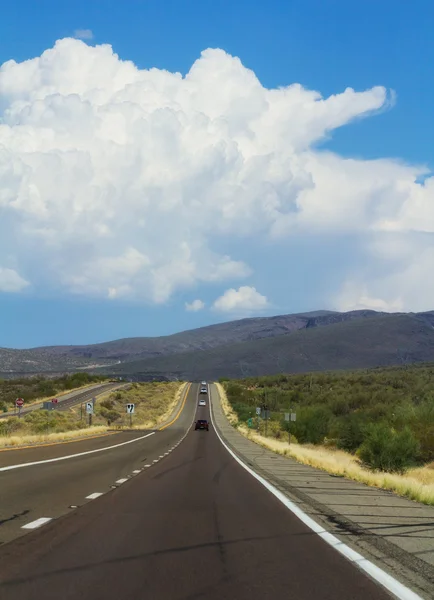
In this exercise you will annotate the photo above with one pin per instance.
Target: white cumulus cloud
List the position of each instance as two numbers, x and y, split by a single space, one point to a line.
195 306
83 34
11 281
245 299
127 183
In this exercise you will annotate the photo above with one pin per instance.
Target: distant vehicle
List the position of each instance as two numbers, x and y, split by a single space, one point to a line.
202 424
202 403
203 383
203 390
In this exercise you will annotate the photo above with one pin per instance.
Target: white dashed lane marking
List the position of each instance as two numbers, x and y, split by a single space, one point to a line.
136 471
37 523
94 495
121 480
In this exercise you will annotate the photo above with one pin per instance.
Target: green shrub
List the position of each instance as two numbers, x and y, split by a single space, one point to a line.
385 449
271 429
351 432
312 424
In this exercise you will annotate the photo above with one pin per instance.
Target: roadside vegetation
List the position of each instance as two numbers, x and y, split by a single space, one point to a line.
37 389
154 402
375 426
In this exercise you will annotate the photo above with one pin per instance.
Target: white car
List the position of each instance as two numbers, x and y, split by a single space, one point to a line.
202 403
203 390
203 383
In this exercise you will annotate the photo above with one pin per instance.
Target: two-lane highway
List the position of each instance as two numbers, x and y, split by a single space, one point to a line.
194 525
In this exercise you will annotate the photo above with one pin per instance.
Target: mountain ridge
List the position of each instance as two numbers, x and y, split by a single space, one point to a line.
112 355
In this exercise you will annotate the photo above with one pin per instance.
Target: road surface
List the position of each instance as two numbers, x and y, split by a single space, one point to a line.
194 525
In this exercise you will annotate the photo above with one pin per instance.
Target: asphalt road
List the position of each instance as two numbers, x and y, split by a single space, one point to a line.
48 490
70 399
194 525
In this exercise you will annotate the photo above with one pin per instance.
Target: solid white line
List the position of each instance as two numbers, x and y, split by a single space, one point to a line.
94 495
51 460
121 480
390 583
37 523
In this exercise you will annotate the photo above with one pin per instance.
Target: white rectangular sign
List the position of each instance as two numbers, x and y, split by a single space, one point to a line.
258 410
130 409
89 408
293 416
286 416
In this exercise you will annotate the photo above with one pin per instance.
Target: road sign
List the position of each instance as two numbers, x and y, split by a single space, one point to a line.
258 410
293 416
19 402
130 409
89 408
286 416
54 400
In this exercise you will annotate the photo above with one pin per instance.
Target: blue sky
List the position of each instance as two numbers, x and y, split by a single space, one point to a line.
325 46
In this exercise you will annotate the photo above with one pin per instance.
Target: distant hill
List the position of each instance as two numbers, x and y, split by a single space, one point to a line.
244 340
359 343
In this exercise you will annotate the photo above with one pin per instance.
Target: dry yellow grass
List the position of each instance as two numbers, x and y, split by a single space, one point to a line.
15 441
417 484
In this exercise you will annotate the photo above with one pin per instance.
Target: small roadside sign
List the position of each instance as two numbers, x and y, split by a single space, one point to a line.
258 410
19 402
89 408
293 416
130 409
54 400
286 416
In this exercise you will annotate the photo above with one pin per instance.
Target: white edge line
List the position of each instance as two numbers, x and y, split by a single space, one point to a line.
390 583
37 523
94 496
51 460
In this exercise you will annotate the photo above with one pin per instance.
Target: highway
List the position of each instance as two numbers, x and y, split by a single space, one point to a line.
192 525
70 399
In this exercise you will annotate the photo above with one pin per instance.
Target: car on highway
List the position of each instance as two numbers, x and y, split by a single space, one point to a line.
203 383
201 424
202 403
203 390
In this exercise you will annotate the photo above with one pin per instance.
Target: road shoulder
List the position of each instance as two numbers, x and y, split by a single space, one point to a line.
394 533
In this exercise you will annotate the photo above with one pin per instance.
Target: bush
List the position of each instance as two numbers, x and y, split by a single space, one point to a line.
351 432
388 450
108 404
312 424
271 429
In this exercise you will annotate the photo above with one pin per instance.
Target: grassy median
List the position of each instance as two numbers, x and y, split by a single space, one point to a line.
154 402
416 484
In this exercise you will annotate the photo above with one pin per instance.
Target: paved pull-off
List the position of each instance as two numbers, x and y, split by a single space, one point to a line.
194 525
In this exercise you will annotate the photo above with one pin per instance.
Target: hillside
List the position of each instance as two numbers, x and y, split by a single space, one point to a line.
58 358
189 351
359 343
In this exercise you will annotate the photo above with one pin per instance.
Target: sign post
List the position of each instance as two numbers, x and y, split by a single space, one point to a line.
89 410
258 413
130 411
19 402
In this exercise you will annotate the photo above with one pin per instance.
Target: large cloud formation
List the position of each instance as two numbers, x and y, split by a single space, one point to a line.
116 180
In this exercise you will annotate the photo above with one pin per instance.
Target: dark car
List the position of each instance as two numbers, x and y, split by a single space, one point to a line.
202 424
